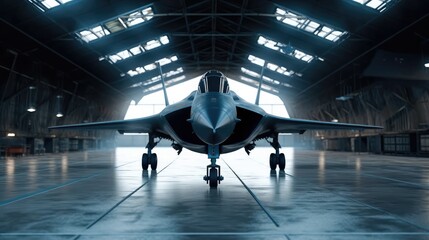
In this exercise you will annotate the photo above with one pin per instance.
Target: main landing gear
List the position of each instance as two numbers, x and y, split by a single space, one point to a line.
277 158
150 158
213 176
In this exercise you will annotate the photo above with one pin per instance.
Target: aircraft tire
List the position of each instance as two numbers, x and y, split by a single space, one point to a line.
145 161
213 178
273 161
282 161
153 161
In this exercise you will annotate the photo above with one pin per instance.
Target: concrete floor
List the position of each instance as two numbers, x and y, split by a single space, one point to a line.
321 195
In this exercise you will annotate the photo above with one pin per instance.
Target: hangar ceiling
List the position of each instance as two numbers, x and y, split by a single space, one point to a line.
305 50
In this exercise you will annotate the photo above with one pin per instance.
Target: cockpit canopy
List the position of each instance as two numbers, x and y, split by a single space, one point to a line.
213 81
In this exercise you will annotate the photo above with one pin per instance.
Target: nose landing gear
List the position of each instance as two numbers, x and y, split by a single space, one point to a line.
213 177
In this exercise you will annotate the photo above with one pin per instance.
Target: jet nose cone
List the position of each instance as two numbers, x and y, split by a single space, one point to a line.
214 119
214 125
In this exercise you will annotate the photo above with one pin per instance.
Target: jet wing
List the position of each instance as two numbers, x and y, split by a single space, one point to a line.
293 125
138 125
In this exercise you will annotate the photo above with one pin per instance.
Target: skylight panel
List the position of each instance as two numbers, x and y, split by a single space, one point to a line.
87 36
132 73
250 73
170 82
379 5
271 66
152 44
265 78
134 19
124 54
307 24
48 4
286 49
93 33
113 25
114 58
158 78
152 66
263 86
140 70
173 72
164 40
136 50
256 60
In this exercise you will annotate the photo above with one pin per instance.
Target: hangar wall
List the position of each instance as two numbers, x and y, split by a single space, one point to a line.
402 107
28 83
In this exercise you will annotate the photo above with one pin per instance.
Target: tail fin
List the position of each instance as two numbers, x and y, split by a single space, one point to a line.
260 84
163 84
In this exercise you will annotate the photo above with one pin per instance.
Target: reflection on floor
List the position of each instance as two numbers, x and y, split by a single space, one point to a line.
321 195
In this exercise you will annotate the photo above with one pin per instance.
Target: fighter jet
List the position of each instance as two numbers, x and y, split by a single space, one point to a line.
214 120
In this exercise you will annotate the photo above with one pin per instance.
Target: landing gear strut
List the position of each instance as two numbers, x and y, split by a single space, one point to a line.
150 158
277 158
213 176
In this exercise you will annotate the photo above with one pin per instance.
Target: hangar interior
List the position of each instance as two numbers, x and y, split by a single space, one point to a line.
352 61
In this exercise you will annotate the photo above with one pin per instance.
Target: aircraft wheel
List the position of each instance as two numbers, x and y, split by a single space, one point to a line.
145 161
273 161
153 161
213 177
282 161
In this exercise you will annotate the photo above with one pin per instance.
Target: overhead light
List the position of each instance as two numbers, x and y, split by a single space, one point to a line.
343 98
31 99
59 106
11 134
427 64
334 120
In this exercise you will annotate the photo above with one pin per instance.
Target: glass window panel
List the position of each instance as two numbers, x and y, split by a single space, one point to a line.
331 37
256 60
132 73
124 54
50 3
136 50
100 31
164 40
307 58
152 44
114 25
87 35
114 58
134 19
164 61
272 67
374 4
140 70
150 66
148 13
